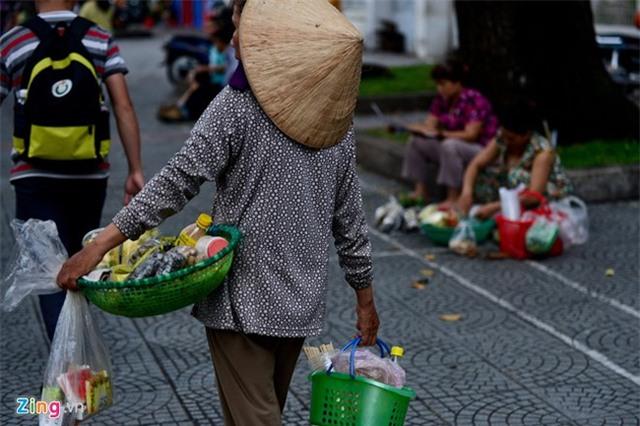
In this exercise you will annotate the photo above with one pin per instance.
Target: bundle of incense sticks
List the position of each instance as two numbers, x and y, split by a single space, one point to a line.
319 357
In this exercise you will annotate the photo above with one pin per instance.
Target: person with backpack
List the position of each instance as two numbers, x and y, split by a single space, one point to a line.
56 65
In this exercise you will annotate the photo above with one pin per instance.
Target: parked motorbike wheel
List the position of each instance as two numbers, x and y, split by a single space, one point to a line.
179 68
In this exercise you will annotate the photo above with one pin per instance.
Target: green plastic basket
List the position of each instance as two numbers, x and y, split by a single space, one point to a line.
339 399
441 235
169 292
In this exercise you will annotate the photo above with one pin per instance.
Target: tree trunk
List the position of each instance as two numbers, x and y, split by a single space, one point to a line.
545 50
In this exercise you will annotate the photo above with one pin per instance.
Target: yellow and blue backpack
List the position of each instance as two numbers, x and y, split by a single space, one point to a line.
60 119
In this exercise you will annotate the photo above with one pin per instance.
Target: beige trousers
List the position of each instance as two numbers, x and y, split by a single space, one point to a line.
253 374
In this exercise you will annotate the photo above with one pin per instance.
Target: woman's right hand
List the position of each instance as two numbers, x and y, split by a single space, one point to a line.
79 265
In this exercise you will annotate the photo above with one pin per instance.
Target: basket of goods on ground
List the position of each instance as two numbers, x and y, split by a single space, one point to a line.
439 225
356 387
155 275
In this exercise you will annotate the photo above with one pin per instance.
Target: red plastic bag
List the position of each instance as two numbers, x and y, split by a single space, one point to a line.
513 232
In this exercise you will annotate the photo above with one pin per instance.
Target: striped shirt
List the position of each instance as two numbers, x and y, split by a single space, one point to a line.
17 45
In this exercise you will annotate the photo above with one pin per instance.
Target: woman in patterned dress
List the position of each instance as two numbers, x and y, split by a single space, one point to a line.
518 156
290 202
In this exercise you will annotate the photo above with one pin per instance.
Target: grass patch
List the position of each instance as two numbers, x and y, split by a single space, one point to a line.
597 153
400 137
600 153
411 79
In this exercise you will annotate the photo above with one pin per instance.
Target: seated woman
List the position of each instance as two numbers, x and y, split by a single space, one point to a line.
459 124
517 156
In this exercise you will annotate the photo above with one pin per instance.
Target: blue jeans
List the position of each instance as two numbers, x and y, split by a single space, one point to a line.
75 206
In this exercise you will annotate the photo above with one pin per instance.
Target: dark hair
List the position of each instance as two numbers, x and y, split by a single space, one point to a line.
519 116
452 70
103 5
225 35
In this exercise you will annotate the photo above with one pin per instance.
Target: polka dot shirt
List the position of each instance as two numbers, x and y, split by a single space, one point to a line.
288 200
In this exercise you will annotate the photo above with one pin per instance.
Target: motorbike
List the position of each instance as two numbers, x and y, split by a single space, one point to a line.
183 53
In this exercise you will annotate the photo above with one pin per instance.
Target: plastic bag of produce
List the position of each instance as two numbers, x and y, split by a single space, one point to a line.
463 240
542 235
78 372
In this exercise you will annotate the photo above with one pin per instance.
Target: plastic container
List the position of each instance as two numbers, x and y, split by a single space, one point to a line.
396 353
347 399
190 235
441 235
513 235
208 246
165 293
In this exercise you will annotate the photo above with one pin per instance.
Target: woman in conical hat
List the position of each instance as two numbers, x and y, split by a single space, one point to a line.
279 144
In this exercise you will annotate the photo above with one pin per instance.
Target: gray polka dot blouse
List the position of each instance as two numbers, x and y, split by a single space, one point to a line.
287 199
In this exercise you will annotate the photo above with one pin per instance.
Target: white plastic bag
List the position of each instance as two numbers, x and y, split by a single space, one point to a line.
572 216
78 372
40 255
463 240
372 366
510 203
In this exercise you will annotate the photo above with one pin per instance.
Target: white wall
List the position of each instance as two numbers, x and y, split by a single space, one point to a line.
428 25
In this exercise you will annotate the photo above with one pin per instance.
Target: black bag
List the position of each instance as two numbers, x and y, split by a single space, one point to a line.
61 122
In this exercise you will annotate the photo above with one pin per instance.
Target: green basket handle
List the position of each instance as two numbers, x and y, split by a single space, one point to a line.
353 346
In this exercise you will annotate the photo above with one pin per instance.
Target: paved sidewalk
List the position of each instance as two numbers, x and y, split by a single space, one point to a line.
539 343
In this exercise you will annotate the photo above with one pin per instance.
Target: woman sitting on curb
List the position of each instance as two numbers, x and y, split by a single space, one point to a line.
517 156
459 124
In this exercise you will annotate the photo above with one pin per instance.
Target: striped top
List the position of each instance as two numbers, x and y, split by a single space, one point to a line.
17 45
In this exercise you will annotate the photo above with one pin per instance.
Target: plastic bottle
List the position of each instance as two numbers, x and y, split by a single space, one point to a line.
190 235
396 352
210 246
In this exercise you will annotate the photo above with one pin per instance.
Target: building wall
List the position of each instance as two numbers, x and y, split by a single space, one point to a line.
614 12
428 26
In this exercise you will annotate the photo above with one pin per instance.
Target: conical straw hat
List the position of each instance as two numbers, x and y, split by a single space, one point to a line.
303 60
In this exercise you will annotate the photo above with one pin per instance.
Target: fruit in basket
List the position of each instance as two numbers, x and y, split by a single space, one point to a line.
120 273
451 219
432 215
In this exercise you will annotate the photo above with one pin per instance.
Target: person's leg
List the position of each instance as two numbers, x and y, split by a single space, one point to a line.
244 367
74 206
454 157
200 100
286 360
419 154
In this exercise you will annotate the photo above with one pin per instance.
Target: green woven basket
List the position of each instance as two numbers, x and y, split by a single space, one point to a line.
339 399
441 235
169 292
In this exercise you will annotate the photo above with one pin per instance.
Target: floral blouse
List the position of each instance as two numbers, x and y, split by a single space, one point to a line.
490 180
470 106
